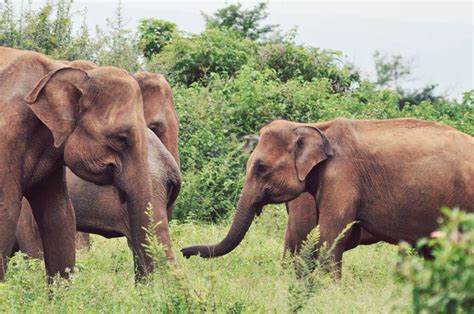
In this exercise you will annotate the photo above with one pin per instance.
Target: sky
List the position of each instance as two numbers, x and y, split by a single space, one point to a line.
436 37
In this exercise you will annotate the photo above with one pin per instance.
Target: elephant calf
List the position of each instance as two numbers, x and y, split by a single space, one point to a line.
98 209
392 176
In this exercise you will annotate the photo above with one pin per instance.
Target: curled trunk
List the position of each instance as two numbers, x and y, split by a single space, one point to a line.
241 223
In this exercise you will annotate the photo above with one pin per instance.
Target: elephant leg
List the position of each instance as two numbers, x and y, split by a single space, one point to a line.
27 233
336 211
54 215
10 204
302 218
83 241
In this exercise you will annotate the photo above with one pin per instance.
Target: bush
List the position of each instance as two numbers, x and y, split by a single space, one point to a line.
48 30
192 59
291 61
155 35
446 283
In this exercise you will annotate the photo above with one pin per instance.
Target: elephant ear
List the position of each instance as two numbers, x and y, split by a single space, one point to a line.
55 100
312 147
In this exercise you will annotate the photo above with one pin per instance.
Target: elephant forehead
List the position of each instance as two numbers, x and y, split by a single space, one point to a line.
153 106
114 98
276 139
114 81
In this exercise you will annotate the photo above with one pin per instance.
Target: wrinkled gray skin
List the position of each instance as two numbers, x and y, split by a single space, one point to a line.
99 210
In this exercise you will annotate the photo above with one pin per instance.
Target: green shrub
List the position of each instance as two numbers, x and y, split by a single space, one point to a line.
192 59
446 283
292 61
48 30
211 193
155 34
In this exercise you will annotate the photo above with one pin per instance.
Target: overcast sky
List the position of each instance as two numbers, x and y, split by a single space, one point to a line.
438 36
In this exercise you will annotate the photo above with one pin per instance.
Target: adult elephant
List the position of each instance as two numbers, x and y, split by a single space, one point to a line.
303 218
52 116
392 176
98 208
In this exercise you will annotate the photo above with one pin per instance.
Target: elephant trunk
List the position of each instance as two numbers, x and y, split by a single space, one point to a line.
134 182
243 218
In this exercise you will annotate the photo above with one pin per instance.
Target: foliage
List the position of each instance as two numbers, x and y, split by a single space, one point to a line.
245 22
416 97
48 30
155 34
291 61
391 70
312 274
194 58
468 98
118 46
446 283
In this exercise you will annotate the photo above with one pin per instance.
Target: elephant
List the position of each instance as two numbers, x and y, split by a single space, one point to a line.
389 176
51 116
98 208
303 218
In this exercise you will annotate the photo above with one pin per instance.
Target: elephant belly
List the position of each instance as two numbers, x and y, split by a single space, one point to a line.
393 225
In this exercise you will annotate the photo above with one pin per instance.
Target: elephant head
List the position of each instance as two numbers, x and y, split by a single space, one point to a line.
97 121
277 171
160 114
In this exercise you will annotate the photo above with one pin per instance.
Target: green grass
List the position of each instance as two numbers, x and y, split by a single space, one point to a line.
250 279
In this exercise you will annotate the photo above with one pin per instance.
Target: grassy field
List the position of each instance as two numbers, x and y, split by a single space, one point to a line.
250 279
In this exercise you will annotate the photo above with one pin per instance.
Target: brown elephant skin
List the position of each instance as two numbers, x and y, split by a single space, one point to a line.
391 176
98 208
52 116
303 218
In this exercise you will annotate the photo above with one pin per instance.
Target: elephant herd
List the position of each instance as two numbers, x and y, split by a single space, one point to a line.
86 147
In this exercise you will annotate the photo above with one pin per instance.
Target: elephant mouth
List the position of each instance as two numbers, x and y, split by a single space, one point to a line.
258 210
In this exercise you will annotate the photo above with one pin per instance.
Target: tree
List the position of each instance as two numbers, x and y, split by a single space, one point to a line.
155 34
118 46
245 22
391 70
394 69
195 58
416 96
48 30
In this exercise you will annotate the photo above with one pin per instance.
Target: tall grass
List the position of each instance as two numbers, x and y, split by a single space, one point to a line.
253 278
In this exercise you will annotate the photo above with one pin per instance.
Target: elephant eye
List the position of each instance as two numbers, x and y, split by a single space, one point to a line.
156 128
300 143
261 168
120 142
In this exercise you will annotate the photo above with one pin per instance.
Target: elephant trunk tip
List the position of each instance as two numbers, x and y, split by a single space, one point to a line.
202 251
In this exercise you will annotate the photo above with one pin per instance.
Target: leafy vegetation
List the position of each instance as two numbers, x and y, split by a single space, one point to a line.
155 35
229 81
445 283
245 22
